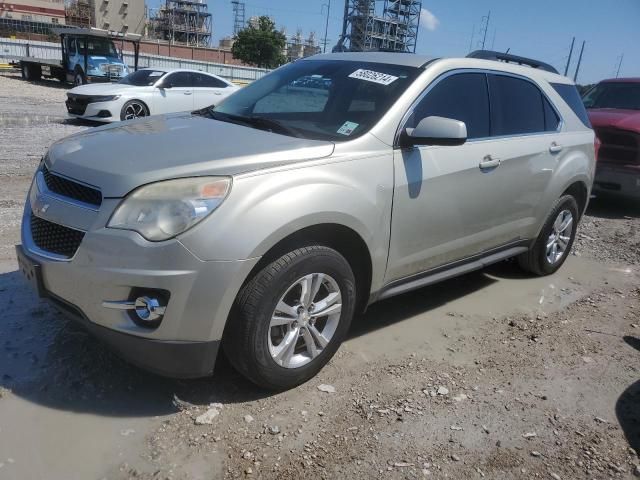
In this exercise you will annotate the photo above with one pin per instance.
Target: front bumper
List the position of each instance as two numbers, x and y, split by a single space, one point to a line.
621 181
98 111
111 265
173 359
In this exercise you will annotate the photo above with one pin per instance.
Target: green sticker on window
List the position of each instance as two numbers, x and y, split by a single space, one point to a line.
347 128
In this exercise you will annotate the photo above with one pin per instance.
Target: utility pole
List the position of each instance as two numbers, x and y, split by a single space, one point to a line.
325 41
493 42
575 77
566 69
619 65
473 32
486 28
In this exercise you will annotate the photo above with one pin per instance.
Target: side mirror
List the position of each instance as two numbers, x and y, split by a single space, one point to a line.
435 131
165 85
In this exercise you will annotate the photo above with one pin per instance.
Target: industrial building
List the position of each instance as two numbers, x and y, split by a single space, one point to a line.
298 47
182 22
126 16
392 28
35 11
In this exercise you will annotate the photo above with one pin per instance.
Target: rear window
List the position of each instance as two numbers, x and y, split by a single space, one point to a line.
570 95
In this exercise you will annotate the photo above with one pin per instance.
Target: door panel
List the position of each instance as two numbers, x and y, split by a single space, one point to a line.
179 97
448 203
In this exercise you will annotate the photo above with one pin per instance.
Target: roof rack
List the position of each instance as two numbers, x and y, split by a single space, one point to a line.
507 57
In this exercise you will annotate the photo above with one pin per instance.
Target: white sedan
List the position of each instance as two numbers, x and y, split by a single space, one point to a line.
149 91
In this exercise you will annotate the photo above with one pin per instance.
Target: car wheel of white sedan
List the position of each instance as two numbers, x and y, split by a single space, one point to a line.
133 109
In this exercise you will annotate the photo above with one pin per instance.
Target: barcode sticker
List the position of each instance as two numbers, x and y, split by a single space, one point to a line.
375 77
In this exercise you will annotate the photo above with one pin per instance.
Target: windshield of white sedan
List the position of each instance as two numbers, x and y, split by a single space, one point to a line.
317 99
142 78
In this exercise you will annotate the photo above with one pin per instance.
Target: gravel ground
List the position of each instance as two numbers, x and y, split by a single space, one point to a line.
493 375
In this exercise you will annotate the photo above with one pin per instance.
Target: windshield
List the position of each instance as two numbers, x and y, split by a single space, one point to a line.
622 95
98 46
317 99
143 78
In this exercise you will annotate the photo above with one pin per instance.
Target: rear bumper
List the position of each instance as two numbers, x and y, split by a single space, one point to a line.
617 180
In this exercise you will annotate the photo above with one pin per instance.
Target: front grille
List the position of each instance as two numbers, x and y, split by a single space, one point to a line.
69 188
618 146
77 104
55 238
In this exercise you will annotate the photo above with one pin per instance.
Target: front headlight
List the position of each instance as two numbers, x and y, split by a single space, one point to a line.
104 98
162 210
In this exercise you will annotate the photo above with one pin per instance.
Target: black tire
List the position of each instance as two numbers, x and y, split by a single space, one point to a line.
247 334
135 106
79 79
536 259
31 72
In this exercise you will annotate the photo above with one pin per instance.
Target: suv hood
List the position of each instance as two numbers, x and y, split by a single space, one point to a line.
615 118
120 157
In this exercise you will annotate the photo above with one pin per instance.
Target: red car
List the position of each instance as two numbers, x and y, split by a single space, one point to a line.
614 110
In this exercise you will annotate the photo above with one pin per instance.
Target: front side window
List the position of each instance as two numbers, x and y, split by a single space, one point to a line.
179 79
461 96
516 106
320 99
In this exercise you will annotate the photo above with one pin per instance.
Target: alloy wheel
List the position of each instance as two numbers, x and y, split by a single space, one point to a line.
560 236
304 320
134 110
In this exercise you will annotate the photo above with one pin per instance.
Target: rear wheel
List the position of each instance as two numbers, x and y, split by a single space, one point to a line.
133 109
291 317
555 240
31 72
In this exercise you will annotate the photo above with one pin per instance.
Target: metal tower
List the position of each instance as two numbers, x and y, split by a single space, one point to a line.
393 29
238 16
183 22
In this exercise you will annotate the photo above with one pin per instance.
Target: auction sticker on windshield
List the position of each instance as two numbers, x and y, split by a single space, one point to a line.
375 77
347 128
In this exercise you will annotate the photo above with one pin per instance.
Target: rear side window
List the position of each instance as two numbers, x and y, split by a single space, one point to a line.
463 97
517 107
207 81
570 95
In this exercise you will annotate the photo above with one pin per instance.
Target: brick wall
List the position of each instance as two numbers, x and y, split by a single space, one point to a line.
215 55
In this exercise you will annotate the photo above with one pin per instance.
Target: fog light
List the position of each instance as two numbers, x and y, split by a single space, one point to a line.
148 309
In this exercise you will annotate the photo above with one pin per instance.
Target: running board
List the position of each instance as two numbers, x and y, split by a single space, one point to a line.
444 273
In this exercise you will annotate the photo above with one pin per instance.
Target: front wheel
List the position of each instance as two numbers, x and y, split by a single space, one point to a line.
79 79
555 240
133 109
291 317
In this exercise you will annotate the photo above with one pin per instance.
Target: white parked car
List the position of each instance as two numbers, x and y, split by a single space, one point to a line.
149 91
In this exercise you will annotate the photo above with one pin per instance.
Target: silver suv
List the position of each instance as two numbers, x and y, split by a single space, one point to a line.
264 224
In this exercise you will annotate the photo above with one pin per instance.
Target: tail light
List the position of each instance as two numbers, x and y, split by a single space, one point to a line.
596 145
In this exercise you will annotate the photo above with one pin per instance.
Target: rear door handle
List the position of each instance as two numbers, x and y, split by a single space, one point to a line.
555 148
188 93
489 162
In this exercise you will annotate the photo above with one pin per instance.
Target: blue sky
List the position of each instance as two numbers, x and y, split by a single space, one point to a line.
540 29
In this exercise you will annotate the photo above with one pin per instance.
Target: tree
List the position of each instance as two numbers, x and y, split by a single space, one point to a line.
260 44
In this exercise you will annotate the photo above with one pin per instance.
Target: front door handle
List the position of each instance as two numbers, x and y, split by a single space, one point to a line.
489 162
555 148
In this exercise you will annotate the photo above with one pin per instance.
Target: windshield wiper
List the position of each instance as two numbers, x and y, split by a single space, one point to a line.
255 121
